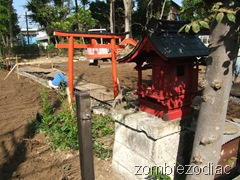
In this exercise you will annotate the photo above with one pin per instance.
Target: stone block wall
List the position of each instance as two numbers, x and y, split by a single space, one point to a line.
143 141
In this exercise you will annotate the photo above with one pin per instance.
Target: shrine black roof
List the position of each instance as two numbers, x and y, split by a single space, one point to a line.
178 45
164 37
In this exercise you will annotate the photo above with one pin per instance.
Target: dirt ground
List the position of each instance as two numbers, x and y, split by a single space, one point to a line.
102 74
24 156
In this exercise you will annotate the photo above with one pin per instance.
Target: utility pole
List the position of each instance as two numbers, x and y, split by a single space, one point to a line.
27 27
112 16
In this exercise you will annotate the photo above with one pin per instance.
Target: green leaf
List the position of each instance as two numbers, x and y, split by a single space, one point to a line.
204 24
231 17
195 27
231 161
219 17
63 146
182 10
187 28
181 29
233 158
217 5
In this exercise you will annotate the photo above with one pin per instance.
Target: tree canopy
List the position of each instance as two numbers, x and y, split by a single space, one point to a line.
60 14
193 9
206 13
45 12
7 14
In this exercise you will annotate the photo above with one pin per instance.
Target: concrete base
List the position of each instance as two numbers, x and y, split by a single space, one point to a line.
143 141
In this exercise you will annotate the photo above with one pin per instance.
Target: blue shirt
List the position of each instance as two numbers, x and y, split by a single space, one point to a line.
58 78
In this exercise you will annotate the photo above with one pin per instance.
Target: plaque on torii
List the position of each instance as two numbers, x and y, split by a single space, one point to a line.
71 45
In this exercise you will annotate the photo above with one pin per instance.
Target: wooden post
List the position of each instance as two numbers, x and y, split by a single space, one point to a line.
70 65
85 135
10 72
52 63
17 67
7 62
114 68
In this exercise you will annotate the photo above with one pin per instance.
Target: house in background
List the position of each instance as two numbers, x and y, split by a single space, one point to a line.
28 36
33 36
174 12
42 37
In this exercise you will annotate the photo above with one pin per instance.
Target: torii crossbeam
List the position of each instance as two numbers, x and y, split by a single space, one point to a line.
71 45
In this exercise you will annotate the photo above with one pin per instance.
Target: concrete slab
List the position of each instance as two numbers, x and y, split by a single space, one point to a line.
148 142
47 72
152 126
98 92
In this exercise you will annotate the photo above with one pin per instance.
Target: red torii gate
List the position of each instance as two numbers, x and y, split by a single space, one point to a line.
73 45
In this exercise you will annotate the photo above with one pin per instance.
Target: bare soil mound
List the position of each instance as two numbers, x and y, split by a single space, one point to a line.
23 155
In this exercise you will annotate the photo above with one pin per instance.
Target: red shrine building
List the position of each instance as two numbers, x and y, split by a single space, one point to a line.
172 57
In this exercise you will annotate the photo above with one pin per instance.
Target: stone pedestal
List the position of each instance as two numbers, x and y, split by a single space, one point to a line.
143 141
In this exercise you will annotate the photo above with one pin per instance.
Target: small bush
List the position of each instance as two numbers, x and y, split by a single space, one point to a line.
101 151
102 126
30 50
156 174
62 132
61 128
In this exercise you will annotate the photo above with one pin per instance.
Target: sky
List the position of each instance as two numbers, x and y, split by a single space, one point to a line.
19 6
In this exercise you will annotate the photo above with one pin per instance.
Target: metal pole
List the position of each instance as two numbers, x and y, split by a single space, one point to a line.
85 135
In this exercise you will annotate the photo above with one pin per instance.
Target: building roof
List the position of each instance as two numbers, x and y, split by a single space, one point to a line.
173 45
29 31
163 37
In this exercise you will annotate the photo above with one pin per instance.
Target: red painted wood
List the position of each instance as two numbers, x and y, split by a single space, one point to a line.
89 35
173 86
70 66
73 45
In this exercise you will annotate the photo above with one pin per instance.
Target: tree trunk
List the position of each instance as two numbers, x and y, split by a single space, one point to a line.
128 4
76 6
10 22
149 11
217 85
66 12
76 26
3 39
163 7
112 16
